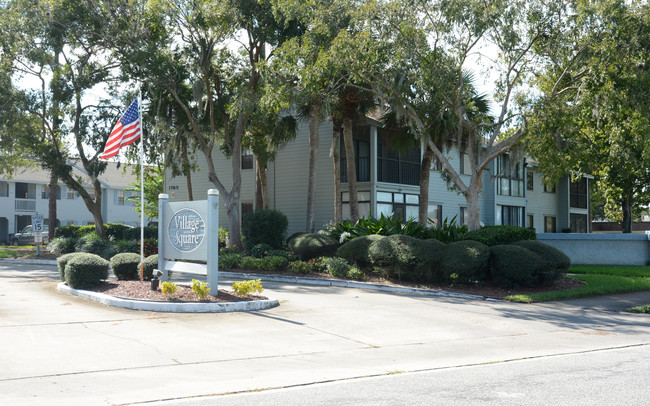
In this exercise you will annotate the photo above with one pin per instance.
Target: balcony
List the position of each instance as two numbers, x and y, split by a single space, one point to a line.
25 205
398 171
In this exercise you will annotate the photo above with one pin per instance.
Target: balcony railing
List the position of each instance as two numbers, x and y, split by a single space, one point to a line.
25 205
397 171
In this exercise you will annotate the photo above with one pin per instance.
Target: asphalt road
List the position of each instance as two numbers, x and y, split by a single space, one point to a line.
322 344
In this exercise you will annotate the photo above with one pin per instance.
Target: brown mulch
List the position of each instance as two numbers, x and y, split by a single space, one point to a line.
142 290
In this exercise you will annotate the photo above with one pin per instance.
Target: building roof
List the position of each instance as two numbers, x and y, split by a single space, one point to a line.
113 177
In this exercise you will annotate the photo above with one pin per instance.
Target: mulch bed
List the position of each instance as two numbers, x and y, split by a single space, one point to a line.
142 290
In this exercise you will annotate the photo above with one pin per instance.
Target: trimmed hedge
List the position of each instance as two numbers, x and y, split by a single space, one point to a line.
85 271
62 261
150 263
125 266
94 244
116 231
465 262
513 266
558 259
308 246
403 257
500 235
62 245
264 227
355 251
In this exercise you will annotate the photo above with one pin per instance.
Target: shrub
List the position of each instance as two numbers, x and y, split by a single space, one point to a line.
500 235
318 264
248 263
264 227
299 267
62 245
512 266
127 246
125 266
313 245
67 232
465 262
337 267
557 259
230 261
169 288
355 273
200 288
356 251
224 237
229 250
94 244
260 250
116 231
150 233
85 271
290 256
248 287
404 257
150 263
278 262
448 231
62 261
384 225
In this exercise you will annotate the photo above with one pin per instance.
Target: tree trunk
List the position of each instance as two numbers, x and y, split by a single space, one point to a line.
627 212
51 205
472 198
261 195
232 210
188 182
352 169
336 158
425 172
314 124
187 170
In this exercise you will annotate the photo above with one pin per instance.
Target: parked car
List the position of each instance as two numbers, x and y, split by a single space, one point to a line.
26 237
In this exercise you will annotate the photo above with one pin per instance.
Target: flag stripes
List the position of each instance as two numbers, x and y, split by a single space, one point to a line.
126 131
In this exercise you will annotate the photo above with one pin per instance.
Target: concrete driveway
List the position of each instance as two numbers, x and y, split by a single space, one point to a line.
59 349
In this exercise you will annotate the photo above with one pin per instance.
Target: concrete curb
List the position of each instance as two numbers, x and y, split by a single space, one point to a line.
169 307
28 261
309 281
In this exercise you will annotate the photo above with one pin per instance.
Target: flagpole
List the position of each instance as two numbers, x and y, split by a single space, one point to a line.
141 186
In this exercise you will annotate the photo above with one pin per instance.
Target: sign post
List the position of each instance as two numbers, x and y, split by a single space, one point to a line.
37 229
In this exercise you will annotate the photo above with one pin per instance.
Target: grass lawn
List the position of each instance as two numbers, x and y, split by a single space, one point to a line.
600 279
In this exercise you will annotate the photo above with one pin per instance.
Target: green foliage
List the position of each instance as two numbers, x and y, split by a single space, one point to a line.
154 177
62 261
300 267
125 266
250 287
260 250
224 236
619 270
318 264
356 251
448 231
229 250
127 246
465 262
150 246
230 261
200 288
150 233
312 245
169 288
337 266
500 235
249 263
290 256
408 258
558 260
150 263
383 225
355 273
62 245
264 227
84 271
94 244
71 231
640 309
513 266
277 262
116 231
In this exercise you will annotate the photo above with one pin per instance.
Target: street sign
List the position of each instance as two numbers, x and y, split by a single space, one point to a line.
37 222
38 238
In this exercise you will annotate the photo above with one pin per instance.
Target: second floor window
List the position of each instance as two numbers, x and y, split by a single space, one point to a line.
247 158
120 198
69 194
510 177
579 194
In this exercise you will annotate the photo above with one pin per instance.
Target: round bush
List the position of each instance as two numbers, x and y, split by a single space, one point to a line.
403 257
127 246
62 245
500 235
62 261
150 263
116 231
356 250
512 266
308 246
264 227
260 250
85 271
557 259
94 244
125 266
465 262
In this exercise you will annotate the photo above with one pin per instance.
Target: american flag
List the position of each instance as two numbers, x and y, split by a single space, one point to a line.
125 132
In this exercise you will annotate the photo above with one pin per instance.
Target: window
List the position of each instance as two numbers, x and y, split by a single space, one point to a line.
530 180
398 205
397 167
549 189
530 223
69 222
578 223
465 165
4 189
436 165
510 177
579 194
511 216
69 194
361 160
363 198
549 224
435 213
464 216
247 158
45 192
120 198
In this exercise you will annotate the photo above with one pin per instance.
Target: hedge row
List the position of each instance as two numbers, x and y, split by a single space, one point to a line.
81 270
113 231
